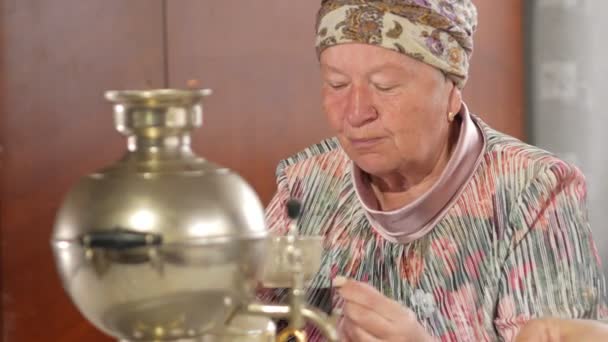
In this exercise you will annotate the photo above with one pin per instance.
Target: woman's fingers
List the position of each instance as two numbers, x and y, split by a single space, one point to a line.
355 333
368 297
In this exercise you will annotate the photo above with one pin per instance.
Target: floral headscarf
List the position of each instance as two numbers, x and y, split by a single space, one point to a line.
436 32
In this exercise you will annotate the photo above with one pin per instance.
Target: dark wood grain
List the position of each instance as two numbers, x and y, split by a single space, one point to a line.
58 57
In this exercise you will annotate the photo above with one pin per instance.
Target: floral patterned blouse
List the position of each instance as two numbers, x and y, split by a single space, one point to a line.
514 245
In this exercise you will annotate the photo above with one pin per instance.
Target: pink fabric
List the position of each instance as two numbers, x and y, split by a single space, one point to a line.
416 219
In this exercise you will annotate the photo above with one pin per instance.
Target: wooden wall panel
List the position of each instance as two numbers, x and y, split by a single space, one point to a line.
260 61
495 90
58 57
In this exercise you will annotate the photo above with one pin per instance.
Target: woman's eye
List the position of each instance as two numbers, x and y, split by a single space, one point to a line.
383 87
337 85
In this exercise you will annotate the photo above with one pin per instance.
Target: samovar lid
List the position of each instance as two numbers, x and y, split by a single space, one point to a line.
157 97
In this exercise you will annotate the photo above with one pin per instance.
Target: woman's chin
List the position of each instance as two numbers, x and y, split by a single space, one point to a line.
374 164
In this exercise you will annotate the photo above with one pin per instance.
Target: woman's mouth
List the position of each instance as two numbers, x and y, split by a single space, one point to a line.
364 143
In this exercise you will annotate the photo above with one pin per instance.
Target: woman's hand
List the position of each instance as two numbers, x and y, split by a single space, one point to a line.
370 316
562 330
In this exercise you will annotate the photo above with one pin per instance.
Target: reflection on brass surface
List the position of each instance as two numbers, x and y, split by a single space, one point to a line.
165 245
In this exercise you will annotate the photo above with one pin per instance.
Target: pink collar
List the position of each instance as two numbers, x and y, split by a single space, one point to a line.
418 218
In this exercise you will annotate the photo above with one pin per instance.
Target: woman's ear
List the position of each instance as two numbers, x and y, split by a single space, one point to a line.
455 100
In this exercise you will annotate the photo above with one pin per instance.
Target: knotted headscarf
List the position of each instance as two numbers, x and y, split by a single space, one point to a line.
436 32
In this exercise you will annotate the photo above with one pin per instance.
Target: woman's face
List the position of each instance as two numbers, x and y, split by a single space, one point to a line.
389 111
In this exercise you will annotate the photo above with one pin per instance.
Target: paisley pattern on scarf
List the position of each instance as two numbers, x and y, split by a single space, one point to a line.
439 33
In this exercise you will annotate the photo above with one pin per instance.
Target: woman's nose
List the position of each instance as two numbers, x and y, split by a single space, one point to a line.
360 109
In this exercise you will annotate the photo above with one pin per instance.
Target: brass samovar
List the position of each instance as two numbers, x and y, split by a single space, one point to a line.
166 246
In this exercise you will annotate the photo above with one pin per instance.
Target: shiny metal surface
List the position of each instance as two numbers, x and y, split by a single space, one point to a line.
291 261
162 244
194 287
277 270
244 328
160 185
166 246
326 324
193 205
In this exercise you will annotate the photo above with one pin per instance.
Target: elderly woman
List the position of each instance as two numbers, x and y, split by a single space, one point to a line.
444 227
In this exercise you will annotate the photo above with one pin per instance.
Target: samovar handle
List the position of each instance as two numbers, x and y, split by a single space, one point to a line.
120 239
